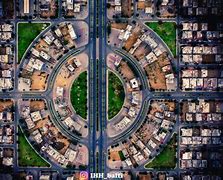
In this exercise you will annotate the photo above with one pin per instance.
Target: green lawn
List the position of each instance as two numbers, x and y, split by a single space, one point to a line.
26 34
116 95
78 95
167 158
26 154
167 31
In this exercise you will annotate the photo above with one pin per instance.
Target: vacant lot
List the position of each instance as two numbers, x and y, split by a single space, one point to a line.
39 80
27 32
127 10
4 105
78 95
27 156
116 95
37 105
155 74
133 38
119 25
167 31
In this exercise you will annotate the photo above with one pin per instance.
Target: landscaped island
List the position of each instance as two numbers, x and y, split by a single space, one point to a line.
116 95
78 95
27 32
167 31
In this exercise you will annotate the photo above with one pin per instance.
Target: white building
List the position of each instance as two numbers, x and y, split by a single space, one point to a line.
71 32
134 83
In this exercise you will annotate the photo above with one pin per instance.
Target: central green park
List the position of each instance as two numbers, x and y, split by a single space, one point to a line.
78 95
116 95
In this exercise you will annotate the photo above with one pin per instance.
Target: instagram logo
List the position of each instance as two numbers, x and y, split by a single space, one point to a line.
83 175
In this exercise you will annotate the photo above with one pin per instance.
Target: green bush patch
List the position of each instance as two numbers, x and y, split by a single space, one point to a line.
121 155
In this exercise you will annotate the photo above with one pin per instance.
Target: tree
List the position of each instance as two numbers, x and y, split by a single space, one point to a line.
109 29
108 5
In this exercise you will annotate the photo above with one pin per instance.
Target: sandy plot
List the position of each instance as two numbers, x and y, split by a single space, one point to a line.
214 73
155 108
119 25
114 155
70 13
165 13
63 78
37 105
5 104
39 80
53 10
66 35
133 38
142 51
126 8
126 71
163 60
41 123
184 110
148 3
146 132
42 46
141 5
60 138
156 76
172 105
66 145
64 30
208 58
68 39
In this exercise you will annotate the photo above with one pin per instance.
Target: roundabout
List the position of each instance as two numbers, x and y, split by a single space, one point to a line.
130 80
